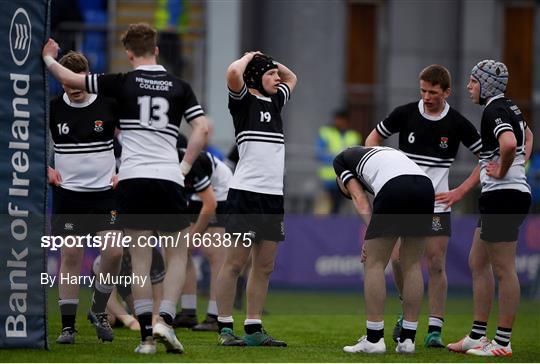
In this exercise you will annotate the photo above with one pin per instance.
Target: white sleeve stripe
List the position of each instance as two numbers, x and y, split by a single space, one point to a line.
240 93
501 126
192 108
201 182
344 174
95 84
284 95
501 130
201 188
237 97
476 149
283 87
479 141
382 132
194 115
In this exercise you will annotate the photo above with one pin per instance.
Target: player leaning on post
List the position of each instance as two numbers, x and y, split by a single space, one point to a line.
503 204
402 207
151 104
255 197
430 132
84 201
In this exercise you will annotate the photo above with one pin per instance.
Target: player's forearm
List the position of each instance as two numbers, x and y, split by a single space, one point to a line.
286 75
471 181
208 210
373 139
528 143
237 68
363 207
197 140
67 77
507 158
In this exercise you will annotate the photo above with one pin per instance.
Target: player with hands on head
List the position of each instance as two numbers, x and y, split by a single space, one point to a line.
259 88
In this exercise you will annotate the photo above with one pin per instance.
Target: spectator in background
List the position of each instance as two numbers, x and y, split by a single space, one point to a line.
333 139
170 21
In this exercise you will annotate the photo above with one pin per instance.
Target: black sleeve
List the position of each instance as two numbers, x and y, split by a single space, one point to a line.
109 85
342 169
393 123
497 120
192 108
238 99
283 95
469 135
201 173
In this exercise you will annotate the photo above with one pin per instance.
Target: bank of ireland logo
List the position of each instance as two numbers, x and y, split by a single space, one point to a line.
20 36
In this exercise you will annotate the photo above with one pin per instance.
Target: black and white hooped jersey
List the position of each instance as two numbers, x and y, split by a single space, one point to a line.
373 166
431 142
259 136
220 177
83 134
151 103
502 115
207 171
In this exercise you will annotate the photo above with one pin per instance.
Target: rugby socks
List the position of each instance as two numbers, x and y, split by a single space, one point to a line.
68 310
502 336
100 297
375 331
478 330
408 330
212 309
225 322
143 311
189 304
252 326
435 324
167 310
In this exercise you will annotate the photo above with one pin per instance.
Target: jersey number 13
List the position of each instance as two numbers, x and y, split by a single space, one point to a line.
153 111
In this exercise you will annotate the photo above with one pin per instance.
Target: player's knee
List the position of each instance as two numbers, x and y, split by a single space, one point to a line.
264 269
70 260
114 254
435 265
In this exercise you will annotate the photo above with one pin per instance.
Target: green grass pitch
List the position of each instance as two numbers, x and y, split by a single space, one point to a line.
315 325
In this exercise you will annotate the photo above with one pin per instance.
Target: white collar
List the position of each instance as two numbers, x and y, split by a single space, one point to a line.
261 97
431 117
494 98
151 67
91 99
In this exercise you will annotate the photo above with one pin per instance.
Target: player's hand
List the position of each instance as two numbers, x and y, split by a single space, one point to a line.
363 256
50 48
114 181
53 177
449 198
494 170
251 54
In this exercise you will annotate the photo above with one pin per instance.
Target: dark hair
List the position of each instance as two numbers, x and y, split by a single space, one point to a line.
436 75
341 113
75 61
141 39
